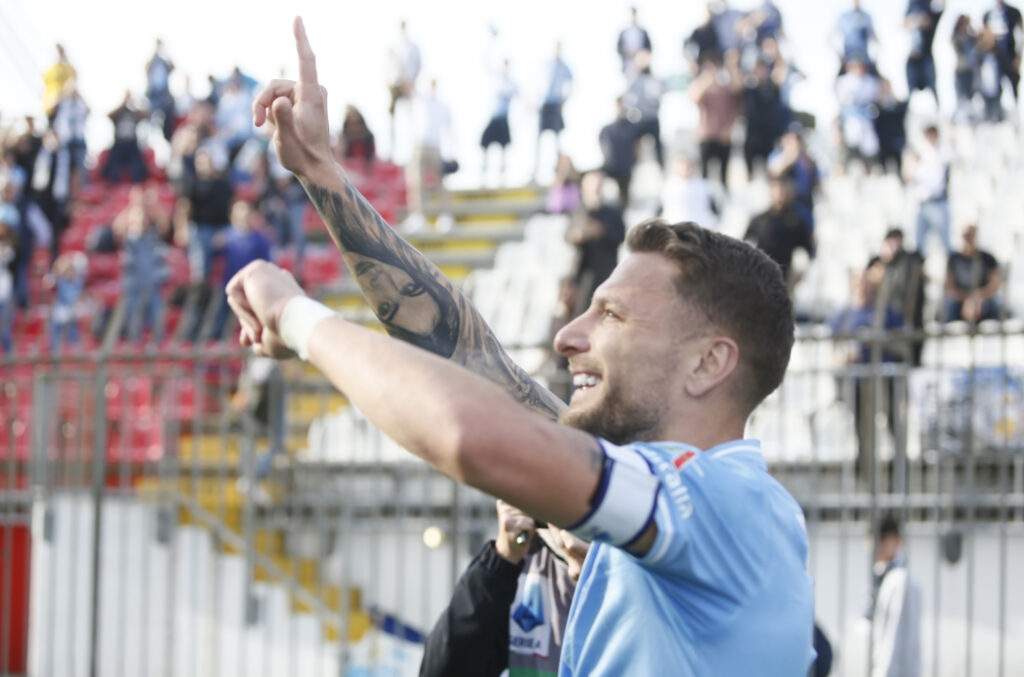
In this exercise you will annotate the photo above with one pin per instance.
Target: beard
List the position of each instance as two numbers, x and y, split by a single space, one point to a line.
616 418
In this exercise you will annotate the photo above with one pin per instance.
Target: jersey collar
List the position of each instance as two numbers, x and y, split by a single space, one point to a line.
747 450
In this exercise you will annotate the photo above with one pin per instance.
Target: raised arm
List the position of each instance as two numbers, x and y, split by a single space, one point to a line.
411 297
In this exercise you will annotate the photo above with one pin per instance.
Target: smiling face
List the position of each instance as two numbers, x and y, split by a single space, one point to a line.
627 352
398 299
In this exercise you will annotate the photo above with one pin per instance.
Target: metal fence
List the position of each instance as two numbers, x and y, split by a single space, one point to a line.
208 513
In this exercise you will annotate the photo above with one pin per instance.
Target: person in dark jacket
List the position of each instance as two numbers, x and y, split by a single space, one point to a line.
597 233
618 145
510 606
780 231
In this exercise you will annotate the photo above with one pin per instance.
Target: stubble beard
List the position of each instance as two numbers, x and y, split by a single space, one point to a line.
616 418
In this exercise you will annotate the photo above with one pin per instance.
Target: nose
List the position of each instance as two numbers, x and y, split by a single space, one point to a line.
572 339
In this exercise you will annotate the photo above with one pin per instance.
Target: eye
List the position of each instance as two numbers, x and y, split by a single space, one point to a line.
610 315
386 310
413 289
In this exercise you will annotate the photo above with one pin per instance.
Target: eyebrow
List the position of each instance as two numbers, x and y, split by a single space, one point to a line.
364 267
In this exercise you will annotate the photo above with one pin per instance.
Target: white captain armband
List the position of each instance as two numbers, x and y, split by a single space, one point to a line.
623 503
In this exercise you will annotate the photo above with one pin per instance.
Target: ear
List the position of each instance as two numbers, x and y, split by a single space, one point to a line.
718 361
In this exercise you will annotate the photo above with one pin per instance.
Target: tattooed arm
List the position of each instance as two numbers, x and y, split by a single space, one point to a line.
411 297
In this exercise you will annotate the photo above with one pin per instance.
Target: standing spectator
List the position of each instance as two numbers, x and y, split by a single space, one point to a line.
158 93
203 212
764 22
890 127
51 188
403 68
68 281
564 193
895 609
716 96
780 230
965 45
55 78
497 130
856 32
283 202
242 244
143 269
1005 21
990 79
687 196
972 281
922 18
858 91
356 141
764 112
618 146
597 233
868 312
125 153
643 101
899 276
559 87
8 246
432 128
792 163
727 24
234 115
702 45
632 40
26 147
69 119
929 174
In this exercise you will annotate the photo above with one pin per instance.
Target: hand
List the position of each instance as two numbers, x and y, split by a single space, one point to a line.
511 523
298 112
258 294
575 549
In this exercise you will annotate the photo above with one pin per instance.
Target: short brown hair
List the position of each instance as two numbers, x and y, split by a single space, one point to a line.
738 289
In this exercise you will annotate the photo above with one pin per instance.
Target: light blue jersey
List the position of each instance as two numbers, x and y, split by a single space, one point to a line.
723 591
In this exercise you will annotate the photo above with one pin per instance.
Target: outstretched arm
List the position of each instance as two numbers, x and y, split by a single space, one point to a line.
410 296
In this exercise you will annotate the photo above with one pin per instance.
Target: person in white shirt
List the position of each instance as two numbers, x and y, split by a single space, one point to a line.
895 610
687 196
432 126
929 177
404 65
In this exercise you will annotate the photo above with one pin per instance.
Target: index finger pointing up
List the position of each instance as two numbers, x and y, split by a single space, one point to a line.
307 60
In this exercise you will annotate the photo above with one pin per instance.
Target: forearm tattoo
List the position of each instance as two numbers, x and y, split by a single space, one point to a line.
414 301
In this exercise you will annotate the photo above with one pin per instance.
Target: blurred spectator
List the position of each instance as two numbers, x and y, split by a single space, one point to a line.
51 188
965 45
26 147
687 196
68 281
716 96
727 23
929 173
403 69
898 274
197 129
32 226
764 22
158 93
990 79
69 119
564 193
234 114
566 310
283 202
618 146
143 268
764 112
8 246
203 211
867 312
922 18
558 88
780 230
1004 21
858 91
597 233
54 80
125 154
632 39
356 141
432 127
792 162
972 281
643 102
785 73
856 33
497 130
703 45
890 127
895 608
242 244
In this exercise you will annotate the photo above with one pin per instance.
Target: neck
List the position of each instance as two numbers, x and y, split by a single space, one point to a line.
705 427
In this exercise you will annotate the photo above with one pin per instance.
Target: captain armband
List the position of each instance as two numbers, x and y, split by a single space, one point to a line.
623 504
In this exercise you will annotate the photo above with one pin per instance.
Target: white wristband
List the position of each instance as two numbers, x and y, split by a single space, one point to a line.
299 318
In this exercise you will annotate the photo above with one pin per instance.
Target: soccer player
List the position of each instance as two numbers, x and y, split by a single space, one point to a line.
698 559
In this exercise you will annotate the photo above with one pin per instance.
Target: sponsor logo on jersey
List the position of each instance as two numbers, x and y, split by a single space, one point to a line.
682 459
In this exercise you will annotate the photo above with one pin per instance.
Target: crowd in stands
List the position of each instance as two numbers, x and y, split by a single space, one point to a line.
222 198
